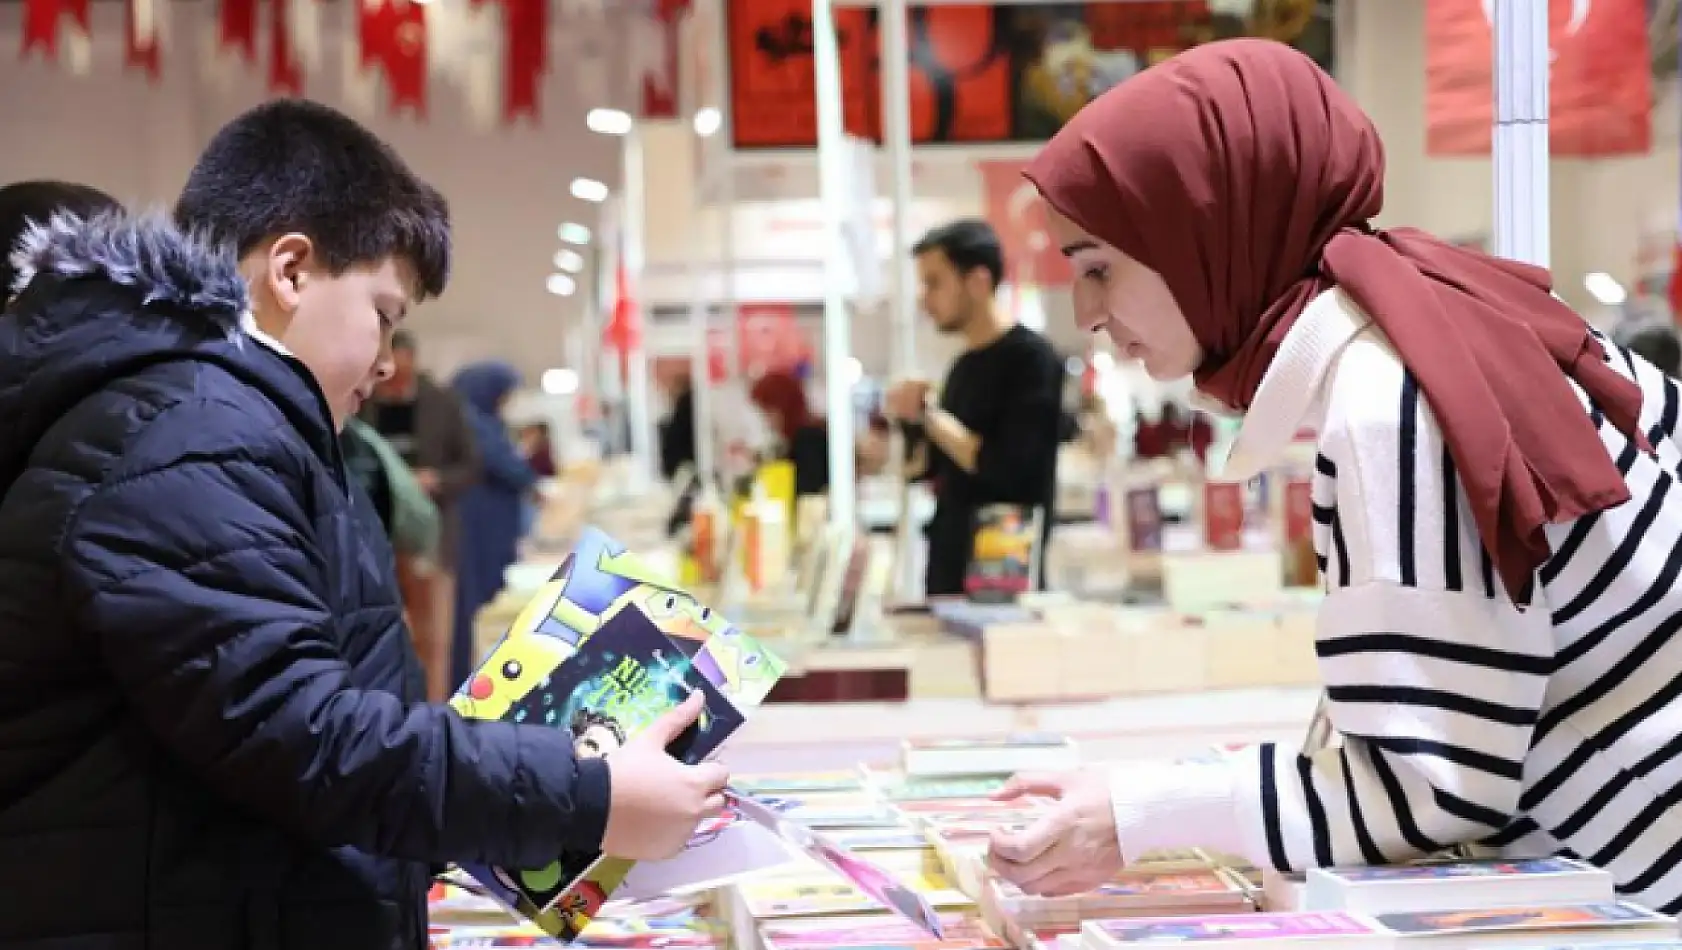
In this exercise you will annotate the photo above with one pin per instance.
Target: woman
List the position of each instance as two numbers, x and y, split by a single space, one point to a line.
490 509
1498 636
27 203
805 441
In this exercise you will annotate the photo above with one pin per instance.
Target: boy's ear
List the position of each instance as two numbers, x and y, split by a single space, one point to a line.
285 269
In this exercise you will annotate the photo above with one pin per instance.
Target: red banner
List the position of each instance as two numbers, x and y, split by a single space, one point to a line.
659 79
41 23
1014 210
286 73
392 34
1600 91
140 37
236 22
769 339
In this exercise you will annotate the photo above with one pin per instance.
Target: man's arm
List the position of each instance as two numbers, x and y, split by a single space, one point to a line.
202 586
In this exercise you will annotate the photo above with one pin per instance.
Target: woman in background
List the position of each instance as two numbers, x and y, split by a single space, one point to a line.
491 509
804 438
34 202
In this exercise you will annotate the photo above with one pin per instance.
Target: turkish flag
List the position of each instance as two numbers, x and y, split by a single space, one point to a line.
1600 93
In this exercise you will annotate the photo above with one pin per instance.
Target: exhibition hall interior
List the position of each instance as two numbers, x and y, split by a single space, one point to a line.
810 474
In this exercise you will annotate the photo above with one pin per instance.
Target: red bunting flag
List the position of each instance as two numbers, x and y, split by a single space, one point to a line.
392 36
41 19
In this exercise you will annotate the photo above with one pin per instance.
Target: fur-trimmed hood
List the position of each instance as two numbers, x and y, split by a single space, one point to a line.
145 252
108 297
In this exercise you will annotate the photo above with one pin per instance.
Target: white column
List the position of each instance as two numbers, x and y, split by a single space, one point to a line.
896 141
837 331
700 357
1519 155
902 296
633 220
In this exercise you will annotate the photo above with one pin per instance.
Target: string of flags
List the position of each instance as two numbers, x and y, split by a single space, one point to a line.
496 51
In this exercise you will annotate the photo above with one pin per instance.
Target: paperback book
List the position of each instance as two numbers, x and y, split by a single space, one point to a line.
604 649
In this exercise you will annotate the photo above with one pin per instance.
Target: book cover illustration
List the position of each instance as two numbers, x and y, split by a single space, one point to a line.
1520 918
595 584
1231 927
1002 553
1145 884
870 879
625 676
878 839
798 782
1455 870
938 789
1144 520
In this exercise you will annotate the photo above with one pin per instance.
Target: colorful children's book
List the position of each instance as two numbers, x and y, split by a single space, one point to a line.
1250 930
1456 885
870 933
604 648
875 883
1625 920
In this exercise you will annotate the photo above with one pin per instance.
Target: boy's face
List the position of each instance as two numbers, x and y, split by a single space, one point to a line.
595 742
337 325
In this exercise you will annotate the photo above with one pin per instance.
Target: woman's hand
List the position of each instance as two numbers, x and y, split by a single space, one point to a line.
1073 848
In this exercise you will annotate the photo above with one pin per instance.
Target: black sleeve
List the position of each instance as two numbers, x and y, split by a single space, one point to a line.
677 437
214 622
1018 449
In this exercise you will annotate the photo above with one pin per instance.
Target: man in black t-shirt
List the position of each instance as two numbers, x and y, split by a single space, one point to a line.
992 436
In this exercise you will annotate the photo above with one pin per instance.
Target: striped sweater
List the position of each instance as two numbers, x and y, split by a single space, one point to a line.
1461 719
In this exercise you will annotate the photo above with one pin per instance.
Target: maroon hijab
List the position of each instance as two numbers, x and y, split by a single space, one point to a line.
1246 178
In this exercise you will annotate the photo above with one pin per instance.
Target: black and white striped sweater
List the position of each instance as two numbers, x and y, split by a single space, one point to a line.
1462 719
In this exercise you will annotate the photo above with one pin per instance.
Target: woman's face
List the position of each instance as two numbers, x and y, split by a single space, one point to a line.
1129 301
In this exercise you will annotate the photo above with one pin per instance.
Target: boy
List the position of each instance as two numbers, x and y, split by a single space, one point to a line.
32 202
209 727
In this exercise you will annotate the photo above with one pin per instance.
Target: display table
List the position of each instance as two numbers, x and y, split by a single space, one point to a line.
824 736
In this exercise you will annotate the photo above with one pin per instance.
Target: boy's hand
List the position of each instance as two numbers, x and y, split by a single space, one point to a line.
657 801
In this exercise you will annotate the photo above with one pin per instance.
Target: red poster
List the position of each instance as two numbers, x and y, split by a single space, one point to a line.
1014 209
1223 515
1600 94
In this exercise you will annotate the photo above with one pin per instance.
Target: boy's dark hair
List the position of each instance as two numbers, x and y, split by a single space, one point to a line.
292 165
1656 341
969 243
35 202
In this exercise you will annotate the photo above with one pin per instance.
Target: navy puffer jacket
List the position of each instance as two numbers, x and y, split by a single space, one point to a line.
210 726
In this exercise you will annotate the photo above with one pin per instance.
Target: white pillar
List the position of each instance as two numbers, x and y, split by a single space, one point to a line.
1519 154
896 141
632 221
700 357
837 331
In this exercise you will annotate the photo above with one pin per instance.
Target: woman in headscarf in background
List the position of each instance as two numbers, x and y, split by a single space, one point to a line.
27 203
802 436
1497 515
491 509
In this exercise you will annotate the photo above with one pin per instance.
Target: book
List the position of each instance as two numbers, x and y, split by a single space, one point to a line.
785 783
1251 931
1456 885
872 881
920 789
623 678
834 933
1585 924
1002 563
691 648
947 758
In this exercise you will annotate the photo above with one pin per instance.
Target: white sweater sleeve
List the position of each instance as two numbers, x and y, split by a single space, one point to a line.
1433 679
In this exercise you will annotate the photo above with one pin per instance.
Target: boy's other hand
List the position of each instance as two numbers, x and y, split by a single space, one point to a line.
656 801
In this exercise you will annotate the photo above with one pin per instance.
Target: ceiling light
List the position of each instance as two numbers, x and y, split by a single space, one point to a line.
573 233
561 285
1605 288
589 189
569 260
560 381
707 121
608 121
